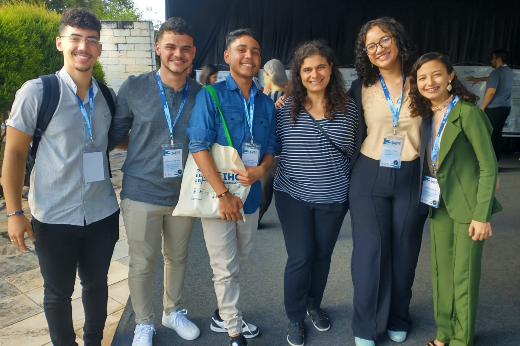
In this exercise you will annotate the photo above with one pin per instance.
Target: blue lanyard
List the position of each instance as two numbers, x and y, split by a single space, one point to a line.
165 104
250 113
435 146
395 111
88 121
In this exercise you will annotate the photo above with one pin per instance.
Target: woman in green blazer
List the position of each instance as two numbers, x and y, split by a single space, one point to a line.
459 186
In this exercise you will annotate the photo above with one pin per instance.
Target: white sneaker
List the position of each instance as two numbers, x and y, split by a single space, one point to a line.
143 335
178 321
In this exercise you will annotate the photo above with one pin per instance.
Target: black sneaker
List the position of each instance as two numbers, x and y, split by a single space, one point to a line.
319 319
217 325
296 334
239 340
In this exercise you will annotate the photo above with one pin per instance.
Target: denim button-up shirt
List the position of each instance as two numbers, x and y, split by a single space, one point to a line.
206 126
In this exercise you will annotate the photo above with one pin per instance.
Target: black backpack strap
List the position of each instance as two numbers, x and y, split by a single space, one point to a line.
112 106
50 100
108 97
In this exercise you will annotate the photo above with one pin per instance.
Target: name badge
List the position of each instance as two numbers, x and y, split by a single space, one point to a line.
172 160
93 169
431 192
391 152
251 154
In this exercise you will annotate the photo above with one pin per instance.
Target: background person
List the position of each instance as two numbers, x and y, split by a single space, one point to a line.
276 85
387 220
466 170
208 75
497 100
317 129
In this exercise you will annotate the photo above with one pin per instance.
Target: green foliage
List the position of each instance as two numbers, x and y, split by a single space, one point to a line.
98 73
28 49
120 10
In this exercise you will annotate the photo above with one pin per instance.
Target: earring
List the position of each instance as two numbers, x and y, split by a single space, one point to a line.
449 87
371 65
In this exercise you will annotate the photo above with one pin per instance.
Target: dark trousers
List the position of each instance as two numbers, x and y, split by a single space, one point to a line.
497 117
387 233
310 231
267 188
63 248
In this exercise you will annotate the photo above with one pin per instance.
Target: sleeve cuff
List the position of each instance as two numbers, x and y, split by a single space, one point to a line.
196 146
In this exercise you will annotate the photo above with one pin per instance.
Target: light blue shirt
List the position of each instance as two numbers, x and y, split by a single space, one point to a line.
206 126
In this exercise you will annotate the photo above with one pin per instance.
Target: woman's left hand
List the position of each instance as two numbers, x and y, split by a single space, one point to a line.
480 230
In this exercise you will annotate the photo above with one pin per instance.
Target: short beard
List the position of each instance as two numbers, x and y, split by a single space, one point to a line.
84 70
166 67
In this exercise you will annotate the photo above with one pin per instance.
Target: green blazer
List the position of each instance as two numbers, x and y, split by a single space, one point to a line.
467 166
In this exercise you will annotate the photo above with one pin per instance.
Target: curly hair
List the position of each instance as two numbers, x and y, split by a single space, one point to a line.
79 18
369 73
335 93
421 106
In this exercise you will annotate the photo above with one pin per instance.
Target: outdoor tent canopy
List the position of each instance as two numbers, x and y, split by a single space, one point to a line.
468 30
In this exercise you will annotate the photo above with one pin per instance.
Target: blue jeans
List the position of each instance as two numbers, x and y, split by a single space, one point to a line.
63 248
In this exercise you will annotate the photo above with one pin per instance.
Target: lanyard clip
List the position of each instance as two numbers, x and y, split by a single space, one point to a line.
251 139
91 143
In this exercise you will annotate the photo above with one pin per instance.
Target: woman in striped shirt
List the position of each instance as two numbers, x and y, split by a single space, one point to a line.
317 129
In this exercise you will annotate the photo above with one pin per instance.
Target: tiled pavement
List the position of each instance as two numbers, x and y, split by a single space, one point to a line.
22 321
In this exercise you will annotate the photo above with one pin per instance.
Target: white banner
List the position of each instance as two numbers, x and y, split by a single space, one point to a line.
513 121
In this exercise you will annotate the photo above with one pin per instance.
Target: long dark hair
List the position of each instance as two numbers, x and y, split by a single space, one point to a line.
421 106
207 71
369 73
335 93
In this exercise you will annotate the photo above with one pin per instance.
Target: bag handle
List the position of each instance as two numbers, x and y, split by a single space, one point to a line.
325 134
213 94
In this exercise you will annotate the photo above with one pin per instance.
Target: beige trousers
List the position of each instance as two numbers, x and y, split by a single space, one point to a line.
145 225
229 244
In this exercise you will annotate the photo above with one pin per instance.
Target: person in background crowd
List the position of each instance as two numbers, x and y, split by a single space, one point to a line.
464 169
497 100
75 215
317 130
251 120
208 75
165 100
276 85
387 218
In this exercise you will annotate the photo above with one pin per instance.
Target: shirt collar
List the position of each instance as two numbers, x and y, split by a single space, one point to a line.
232 85
64 75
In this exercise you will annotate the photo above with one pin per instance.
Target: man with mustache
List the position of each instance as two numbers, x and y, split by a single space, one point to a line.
251 120
75 222
156 107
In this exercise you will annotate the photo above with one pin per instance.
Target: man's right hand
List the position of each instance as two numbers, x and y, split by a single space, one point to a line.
473 79
17 225
229 207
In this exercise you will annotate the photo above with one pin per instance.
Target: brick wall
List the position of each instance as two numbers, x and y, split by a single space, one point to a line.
128 49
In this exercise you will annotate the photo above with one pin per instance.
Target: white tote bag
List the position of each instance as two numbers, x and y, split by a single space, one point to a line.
197 197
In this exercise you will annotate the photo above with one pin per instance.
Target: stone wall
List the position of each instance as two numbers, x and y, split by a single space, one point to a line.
128 49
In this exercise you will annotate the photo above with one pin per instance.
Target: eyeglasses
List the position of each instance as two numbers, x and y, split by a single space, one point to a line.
384 42
91 41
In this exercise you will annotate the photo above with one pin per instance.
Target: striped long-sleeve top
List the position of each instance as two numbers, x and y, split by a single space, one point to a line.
311 169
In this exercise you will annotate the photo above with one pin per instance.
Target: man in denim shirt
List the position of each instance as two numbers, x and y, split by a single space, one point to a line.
230 239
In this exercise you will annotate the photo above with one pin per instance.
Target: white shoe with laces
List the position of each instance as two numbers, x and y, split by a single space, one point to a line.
143 335
178 321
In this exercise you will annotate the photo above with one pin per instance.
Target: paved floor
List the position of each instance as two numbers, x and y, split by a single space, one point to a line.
22 321
262 290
